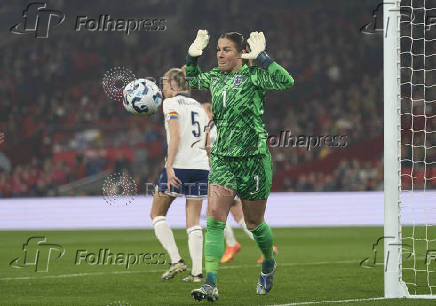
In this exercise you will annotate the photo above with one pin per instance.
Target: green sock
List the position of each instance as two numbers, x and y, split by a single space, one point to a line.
213 248
264 239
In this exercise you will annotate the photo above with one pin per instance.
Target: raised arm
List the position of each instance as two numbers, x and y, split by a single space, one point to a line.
272 76
195 78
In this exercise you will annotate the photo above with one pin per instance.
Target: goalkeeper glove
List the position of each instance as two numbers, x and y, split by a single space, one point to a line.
200 42
257 44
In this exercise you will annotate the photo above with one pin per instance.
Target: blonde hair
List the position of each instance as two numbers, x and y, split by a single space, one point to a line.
178 75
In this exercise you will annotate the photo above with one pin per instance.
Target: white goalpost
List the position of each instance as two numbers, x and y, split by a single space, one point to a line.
409 52
394 287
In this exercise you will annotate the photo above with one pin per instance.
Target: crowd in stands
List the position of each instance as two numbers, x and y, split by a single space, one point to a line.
51 94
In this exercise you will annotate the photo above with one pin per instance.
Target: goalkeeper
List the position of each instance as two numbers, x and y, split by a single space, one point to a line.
240 160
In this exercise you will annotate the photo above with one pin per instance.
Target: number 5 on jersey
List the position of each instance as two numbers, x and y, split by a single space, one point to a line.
197 129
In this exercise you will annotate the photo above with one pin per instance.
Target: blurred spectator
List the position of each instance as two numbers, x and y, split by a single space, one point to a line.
51 101
122 164
79 170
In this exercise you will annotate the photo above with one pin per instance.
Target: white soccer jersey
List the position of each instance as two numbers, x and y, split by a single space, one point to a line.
192 122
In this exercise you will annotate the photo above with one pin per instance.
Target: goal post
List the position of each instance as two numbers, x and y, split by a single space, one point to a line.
409 68
393 285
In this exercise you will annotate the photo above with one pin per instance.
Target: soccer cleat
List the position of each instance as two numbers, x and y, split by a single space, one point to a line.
231 251
275 251
193 278
174 269
205 292
265 283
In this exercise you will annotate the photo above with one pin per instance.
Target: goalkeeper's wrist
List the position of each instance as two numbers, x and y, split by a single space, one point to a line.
191 61
264 60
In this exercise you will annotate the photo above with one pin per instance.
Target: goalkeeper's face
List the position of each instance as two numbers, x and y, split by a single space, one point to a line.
228 56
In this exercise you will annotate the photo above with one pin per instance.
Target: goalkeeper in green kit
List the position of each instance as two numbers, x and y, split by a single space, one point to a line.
240 162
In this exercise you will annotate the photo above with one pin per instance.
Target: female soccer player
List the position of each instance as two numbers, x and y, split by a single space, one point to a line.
240 159
185 173
232 245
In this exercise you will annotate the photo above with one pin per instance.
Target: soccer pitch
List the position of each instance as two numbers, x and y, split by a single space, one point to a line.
314 264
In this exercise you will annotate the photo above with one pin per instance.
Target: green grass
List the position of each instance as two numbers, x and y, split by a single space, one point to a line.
314 264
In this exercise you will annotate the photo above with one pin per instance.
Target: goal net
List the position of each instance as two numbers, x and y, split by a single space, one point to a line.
410 148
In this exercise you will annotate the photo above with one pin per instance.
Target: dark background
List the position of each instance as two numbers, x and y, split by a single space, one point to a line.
63 135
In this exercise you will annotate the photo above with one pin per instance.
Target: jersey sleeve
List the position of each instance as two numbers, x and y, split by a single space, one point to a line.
273 78
197 79
170 109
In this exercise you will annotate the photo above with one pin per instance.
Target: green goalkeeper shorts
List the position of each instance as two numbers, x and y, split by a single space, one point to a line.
250 176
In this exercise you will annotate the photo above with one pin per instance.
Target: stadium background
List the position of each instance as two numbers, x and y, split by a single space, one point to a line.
63 137
60 127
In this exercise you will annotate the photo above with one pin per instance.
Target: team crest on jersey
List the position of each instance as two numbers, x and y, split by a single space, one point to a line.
237 80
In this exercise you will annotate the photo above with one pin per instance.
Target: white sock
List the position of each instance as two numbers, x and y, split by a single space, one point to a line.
165 235
195 243
245 229
228 235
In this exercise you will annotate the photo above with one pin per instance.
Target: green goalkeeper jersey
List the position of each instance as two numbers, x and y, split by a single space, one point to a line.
238 104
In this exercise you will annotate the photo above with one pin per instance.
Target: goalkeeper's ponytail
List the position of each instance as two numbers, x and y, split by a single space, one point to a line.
240 43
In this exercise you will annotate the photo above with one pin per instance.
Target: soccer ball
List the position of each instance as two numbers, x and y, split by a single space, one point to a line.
142 97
